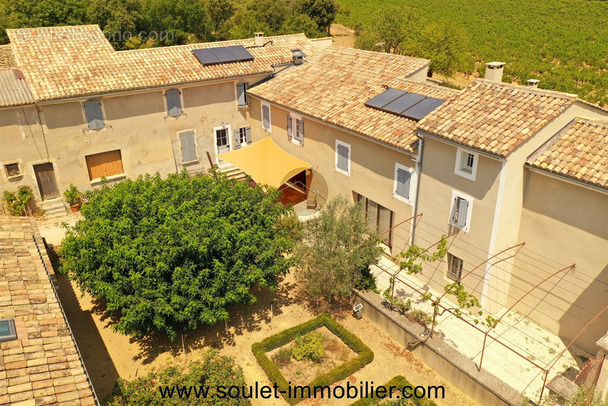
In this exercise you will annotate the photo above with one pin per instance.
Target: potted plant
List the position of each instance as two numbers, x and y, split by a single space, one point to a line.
73 197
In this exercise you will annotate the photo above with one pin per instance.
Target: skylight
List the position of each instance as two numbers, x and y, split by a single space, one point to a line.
405 104
217 55
7 330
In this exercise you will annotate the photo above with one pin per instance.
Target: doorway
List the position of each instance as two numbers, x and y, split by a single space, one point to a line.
222 140
47 184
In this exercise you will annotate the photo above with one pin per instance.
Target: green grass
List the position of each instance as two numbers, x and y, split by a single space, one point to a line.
561 42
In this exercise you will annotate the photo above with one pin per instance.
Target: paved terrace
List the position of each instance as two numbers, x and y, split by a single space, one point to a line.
529 339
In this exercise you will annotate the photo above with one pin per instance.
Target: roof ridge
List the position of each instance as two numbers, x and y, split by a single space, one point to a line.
593 121
554 139
426 84
528 89
383 54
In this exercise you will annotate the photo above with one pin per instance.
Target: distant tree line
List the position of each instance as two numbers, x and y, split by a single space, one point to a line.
130 24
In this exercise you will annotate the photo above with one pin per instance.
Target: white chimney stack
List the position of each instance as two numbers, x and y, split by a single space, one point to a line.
494 71
532 83
258 38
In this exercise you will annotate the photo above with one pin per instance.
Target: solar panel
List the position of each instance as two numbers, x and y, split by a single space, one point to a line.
403 103
420 110
212 56
384 98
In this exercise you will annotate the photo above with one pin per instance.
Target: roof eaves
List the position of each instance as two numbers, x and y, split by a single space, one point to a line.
422 133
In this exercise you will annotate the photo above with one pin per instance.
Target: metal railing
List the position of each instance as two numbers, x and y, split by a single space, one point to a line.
315 191
48 274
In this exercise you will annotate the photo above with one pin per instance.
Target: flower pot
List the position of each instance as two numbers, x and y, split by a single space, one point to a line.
75 208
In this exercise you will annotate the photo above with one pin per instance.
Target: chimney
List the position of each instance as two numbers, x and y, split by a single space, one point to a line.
533 83
258 38
298 56
494 71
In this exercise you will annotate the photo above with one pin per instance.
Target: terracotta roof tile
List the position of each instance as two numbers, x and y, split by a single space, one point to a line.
334 85
42 363
578 152
14 90
63 62
495 117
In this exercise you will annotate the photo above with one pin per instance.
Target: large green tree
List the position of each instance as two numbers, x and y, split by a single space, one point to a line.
178 21
336 251
322 12
174 254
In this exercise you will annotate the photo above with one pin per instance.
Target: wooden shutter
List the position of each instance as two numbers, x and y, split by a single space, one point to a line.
237 138
104 164
92 109
266 117
186 140
174 103
342 157
241 94
248 135
463 207
454 214
289 128
403 183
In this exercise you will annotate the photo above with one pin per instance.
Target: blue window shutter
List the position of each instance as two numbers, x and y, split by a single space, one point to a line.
248 135
186 140
92 109
241 94
174 103
237 138
403 183
289 128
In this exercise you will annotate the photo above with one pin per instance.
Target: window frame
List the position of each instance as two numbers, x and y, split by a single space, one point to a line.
181 102
17 176
459 168
450 261
397 196
109 177
459 195
337 169
294 118
12 329
269 129
103 115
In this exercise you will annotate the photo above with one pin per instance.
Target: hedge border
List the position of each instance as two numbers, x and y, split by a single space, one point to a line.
364 354
398 381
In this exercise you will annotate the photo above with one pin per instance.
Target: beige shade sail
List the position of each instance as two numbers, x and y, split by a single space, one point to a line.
265 162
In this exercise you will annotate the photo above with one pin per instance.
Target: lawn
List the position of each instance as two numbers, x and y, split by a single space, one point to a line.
561 42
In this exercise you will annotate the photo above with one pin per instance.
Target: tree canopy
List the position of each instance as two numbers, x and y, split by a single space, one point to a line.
336 250
174 254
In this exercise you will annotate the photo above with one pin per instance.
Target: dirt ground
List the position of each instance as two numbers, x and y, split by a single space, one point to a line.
108 354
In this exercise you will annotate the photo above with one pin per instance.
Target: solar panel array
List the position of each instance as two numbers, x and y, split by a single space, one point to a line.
405 104
214 56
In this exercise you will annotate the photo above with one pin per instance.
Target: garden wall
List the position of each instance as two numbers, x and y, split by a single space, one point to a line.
482 387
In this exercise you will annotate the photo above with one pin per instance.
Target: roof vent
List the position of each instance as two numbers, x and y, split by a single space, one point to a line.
532 83
494 71
258 38
18 74
298 56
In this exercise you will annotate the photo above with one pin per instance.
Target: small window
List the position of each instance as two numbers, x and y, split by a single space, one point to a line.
187 145
94 114
266 117
241 94
466 163
295 129
403 182
7 330
104 164
242 137
454 267
460 214
12 170
343 157
174 102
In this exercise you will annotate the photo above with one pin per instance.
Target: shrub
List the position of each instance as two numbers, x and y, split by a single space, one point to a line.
419 316
309 347
364 354
72 195
398 382
18 204
283 356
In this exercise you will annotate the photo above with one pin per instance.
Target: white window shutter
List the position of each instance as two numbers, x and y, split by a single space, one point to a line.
454 215
248 135
289 128
237 138
462 212
265 117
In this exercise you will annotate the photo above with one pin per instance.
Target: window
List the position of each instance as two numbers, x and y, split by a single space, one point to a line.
7 330
94 114
403 182
460 212
378 218
187 145
266 117
174 102
466 163
295 129
241 94
12 170
454 268
242 137
104 164
343 157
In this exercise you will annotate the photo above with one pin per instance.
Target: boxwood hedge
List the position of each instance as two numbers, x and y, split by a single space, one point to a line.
398 382
364 354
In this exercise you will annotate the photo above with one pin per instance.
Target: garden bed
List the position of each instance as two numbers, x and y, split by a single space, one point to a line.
263 349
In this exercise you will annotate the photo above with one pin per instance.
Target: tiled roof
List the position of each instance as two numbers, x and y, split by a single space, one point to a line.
7 59
495 117
334 85
579 152
42 363
14 90
63 62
